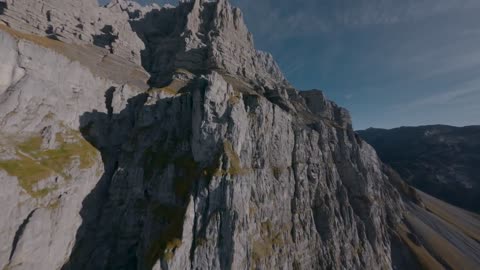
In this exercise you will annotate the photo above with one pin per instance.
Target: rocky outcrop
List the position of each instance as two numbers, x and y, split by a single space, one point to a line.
231 181
47 168
201 36
81 22
197 35
217 164
439 160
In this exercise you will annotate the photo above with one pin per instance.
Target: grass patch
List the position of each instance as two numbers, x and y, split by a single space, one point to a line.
164 245
183 71
33 163
270 238
42 41
235 98
200 241
424 258
438 246
154 160
172 89
277 172
168 217
189 171
71 51
459 218
54 204
235 167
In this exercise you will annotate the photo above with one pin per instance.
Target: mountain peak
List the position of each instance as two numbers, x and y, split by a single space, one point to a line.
196 35
226 167
203 35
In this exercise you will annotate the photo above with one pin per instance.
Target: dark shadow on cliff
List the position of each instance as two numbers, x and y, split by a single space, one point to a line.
96 127
134 215
3 6
106 39
162 33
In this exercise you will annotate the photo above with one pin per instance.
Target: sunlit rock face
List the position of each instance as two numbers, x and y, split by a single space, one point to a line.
213 161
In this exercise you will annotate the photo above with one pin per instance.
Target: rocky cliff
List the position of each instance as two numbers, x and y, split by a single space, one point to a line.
439 160
202 157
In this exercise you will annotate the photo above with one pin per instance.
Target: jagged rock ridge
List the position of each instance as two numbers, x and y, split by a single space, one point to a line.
217 164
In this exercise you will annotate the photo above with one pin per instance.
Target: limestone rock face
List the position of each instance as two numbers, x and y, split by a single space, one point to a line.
76 21
197 35
200 36
220 164
47 168
214 178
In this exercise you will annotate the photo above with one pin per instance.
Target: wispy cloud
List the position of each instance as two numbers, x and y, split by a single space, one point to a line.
287 19
405 61
468 94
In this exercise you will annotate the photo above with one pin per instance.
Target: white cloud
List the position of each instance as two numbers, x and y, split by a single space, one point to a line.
463 95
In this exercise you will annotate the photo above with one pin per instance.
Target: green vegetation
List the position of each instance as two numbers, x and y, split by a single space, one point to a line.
235 163
277 172
169 216
154 160
263 247
28 173
33 163
200 241
172 89
296 265
424 258
440 247
45 42
189 173
165 244
183 71
167 89
187 169
53 204
454 216
172 245
234 98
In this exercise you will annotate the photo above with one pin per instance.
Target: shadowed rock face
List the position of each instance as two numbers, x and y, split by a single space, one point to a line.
217 164
200 36
106 39
73 21
439 160
192 184
3 6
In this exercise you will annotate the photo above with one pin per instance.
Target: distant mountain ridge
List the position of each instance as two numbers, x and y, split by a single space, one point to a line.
440 160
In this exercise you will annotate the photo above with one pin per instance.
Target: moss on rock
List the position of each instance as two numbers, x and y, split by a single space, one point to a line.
34 163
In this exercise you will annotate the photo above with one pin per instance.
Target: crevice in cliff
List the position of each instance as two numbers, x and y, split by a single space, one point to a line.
106 39
296 195
19 233
158 31
108 101
154 141
402 256
107 132
3 6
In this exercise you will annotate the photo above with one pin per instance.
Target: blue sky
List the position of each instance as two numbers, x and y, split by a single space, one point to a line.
391 63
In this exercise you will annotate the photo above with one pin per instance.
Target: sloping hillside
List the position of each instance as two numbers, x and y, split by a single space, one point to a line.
442 161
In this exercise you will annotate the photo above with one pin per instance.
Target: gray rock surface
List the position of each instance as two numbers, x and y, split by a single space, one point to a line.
219 164
47 168
76 21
